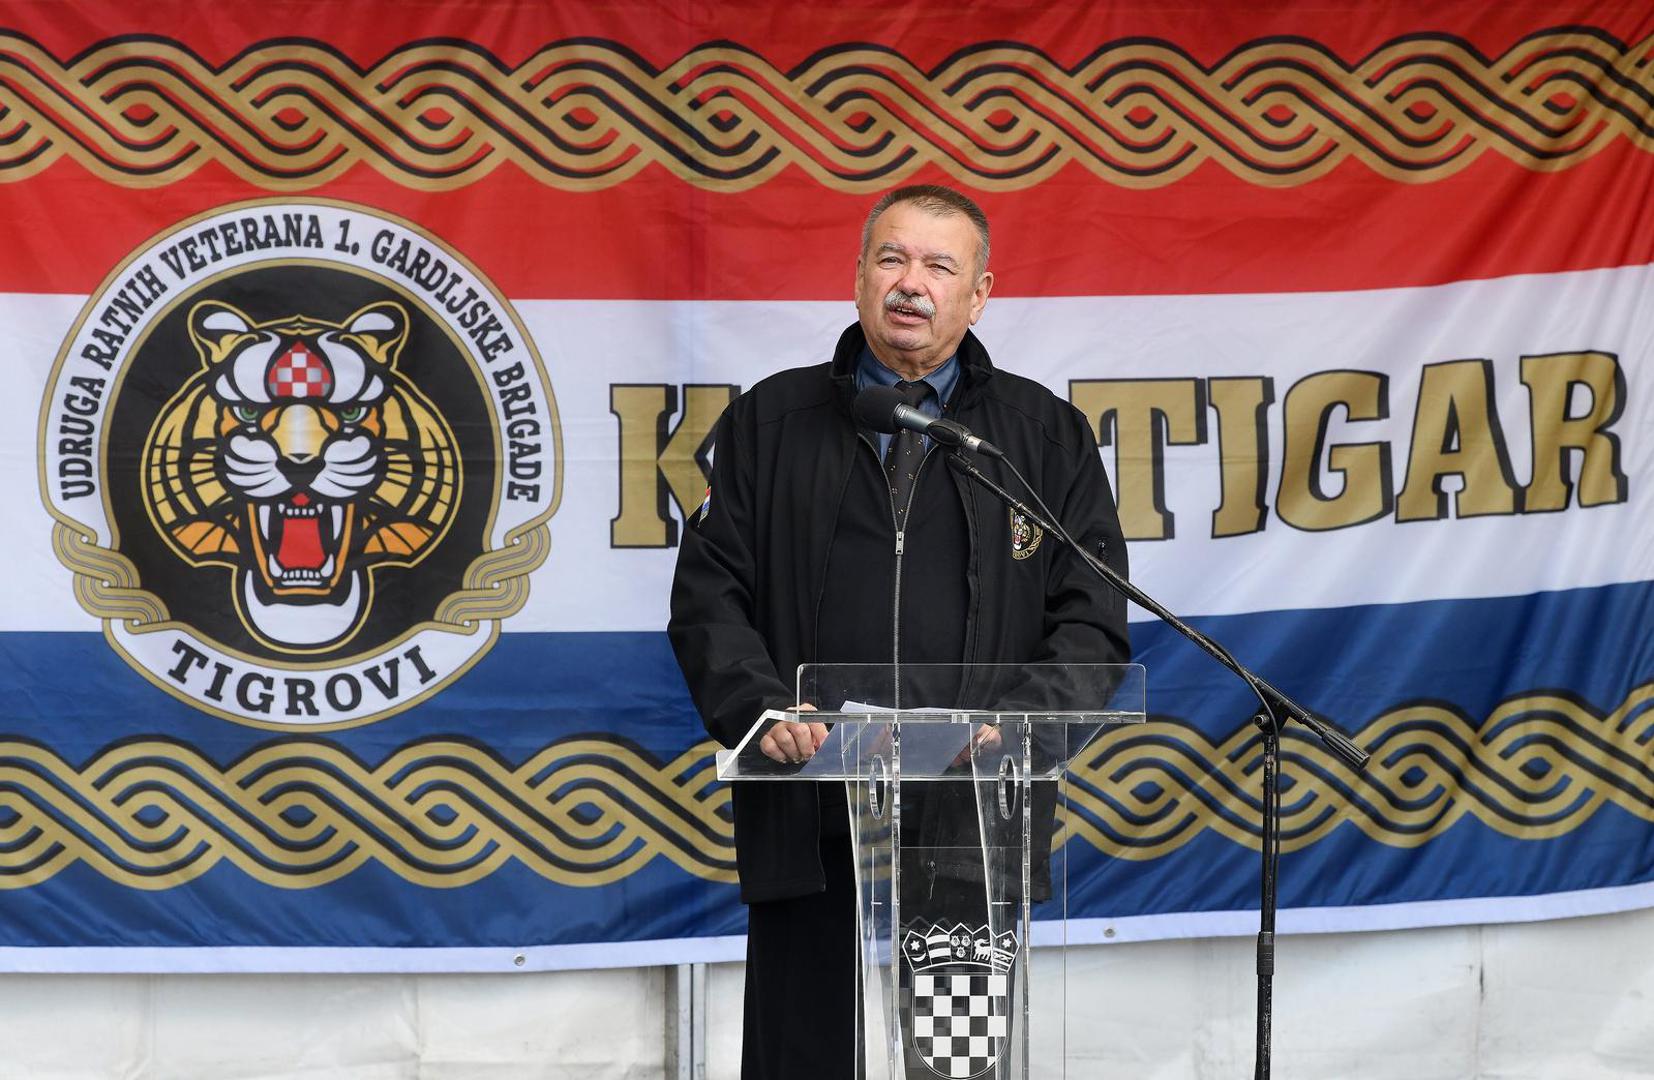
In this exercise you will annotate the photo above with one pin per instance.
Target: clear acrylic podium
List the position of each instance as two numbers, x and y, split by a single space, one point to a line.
959 809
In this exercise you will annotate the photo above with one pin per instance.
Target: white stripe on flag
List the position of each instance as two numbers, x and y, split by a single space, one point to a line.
588 346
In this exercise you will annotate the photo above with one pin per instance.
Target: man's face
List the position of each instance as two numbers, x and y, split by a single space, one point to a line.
917 288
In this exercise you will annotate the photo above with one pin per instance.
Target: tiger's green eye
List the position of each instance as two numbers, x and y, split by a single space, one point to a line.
353 414
245 413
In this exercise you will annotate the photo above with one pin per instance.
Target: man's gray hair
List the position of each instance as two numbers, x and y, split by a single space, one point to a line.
933 199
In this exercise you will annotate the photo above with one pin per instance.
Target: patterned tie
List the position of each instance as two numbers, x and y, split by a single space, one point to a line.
906 451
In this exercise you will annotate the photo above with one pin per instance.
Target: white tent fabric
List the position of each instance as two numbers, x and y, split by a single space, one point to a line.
1563 1000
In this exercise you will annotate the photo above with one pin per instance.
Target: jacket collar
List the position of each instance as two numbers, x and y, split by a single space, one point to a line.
975 367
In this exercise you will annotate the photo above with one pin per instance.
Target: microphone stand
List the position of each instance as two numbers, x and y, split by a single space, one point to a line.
1276 709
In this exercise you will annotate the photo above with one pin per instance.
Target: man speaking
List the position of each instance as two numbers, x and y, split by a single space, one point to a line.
823 541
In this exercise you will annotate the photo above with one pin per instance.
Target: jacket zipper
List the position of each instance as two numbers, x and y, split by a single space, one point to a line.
896 523
896 633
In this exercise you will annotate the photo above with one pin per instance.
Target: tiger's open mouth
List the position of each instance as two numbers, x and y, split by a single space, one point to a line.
300 544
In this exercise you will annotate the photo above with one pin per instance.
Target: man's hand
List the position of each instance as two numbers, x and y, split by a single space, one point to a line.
793 742
985 740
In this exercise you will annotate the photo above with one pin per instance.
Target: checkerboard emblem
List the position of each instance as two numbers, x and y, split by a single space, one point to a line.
299 373
956 994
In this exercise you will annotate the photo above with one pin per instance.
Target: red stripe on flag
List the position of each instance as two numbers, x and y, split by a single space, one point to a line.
788 34
657 237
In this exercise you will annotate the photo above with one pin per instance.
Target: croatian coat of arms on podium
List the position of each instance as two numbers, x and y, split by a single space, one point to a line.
956 989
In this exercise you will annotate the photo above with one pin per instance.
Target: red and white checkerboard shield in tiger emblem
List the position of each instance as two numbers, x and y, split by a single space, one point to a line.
299 373
956 992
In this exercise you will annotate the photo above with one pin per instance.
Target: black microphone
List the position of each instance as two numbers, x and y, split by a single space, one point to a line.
884 409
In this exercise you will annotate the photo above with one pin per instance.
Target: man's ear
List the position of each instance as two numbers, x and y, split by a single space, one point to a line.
979 294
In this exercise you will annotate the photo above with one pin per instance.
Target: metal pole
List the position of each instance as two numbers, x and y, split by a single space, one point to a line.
686 1022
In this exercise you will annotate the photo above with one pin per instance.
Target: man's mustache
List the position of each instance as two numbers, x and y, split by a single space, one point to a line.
896 298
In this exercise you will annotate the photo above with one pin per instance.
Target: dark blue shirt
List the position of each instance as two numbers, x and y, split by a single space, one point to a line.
869 372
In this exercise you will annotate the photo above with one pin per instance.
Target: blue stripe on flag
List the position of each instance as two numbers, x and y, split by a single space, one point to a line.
1353 665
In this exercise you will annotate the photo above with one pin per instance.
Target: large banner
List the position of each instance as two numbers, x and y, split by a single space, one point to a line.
363 360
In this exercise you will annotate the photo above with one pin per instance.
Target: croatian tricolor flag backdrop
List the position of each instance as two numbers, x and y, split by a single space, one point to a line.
361 361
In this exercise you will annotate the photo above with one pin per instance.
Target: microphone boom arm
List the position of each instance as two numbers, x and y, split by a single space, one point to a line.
1277 709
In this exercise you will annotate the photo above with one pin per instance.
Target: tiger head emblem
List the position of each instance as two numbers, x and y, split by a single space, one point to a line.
299 457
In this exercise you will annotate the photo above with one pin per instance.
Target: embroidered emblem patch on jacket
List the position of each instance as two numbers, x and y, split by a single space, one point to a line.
1025 536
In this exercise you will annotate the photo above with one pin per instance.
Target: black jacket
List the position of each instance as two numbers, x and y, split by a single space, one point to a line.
751 568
